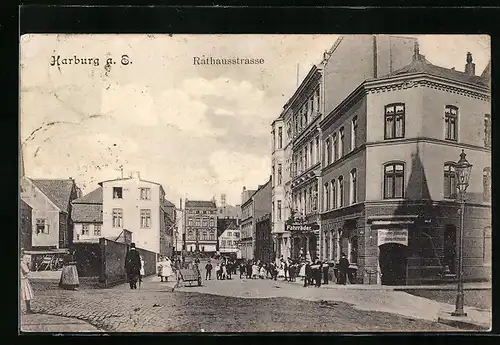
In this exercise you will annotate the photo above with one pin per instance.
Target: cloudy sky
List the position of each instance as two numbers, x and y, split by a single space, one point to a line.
198 130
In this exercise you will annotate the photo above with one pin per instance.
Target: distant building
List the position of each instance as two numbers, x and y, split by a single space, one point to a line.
50 201
138 206
87 217
228 231
201 226
263 239
255 206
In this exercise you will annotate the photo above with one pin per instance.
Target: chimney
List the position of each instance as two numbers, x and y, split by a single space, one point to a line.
470 68
180 203
136 175
416 52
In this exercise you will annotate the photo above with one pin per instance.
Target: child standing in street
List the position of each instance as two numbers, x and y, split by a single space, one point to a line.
26 291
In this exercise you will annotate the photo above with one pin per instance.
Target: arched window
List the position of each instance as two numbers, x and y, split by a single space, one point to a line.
394 180
450 122
334 195
190 234
327 197
335 145
394 119
353 190
328 151
340 191
450 186
487 184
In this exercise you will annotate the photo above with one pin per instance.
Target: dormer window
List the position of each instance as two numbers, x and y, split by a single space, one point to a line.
117 193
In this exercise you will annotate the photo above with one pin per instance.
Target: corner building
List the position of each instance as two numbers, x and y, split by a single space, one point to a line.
350 61
387 177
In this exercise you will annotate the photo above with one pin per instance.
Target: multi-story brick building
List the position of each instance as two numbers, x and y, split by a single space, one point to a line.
388 193
201 226
350 61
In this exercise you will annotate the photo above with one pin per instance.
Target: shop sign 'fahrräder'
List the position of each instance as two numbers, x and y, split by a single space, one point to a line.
302 227
399 236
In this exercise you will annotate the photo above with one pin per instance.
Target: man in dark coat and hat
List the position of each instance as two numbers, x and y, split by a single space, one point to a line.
133 266
343 268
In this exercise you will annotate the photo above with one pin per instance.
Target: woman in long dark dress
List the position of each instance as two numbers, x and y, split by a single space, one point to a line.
69 275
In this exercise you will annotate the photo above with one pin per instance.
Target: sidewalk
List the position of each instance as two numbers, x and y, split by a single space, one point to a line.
476 319
54 324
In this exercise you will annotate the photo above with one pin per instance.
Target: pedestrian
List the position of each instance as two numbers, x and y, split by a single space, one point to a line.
132 266
292 272
159 267
26 290
69 274
326 268
343 267
249 269
242 269
229 269
166 269
224 271
317 271
255 271
302 271
218 271
141 271
308 273
208 269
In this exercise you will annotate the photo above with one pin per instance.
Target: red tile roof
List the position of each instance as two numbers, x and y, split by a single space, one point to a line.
58 191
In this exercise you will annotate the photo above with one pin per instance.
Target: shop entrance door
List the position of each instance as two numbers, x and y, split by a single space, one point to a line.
392 260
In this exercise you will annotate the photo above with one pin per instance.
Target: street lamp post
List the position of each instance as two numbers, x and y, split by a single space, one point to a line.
462 170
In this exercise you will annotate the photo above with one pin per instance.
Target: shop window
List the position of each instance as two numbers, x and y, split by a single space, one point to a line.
394 121
393 181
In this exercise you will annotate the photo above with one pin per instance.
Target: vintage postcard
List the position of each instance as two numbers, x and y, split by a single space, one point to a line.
240 183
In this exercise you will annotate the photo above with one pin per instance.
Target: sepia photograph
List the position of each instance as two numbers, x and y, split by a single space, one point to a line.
232 183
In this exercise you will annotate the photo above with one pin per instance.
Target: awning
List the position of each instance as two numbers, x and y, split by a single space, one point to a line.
46 252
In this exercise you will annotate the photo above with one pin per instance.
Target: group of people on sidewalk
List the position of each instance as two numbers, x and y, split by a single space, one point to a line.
224 269
312 272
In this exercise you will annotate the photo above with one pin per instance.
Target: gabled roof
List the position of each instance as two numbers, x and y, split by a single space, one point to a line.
168 203
200 203
421 65
224 224
94 197
86 213
58 191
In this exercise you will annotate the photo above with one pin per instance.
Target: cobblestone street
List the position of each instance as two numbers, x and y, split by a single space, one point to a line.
225 306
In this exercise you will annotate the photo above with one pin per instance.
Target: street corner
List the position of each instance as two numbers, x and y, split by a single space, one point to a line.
31 323
472 321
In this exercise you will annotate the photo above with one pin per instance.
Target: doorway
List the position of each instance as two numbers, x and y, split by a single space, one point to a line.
450 247
392 261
